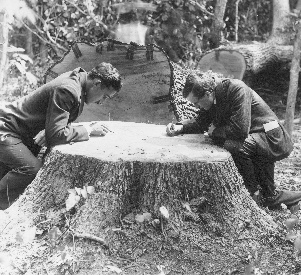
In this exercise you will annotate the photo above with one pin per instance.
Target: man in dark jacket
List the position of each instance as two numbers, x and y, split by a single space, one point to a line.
238 119
43 118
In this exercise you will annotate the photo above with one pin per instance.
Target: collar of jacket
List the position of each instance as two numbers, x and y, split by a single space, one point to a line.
220 94
81 74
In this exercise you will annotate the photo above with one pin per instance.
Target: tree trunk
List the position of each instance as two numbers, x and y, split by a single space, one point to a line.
241 61
218 23
3 44
281 11
29 48
293 86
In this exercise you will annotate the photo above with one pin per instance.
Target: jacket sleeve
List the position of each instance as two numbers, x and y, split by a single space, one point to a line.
200 124
57 129
238 125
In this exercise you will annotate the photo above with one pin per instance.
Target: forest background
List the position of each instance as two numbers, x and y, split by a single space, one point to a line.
40 31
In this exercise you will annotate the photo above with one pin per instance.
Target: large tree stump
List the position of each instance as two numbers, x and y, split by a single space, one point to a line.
241 61
135 169
140 168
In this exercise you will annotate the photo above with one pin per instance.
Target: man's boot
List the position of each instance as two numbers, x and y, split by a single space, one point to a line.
273 198
289 198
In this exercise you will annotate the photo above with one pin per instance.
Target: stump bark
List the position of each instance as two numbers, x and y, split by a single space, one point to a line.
241 61
138 168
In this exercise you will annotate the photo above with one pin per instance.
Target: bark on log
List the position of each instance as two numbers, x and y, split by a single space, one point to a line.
241 61
139 168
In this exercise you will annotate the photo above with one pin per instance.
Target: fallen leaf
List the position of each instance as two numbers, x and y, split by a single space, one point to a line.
291 222
114 269
164 212
139 218
155 222
283 206
72 191
84 193
78 190
90 190
147 216
72 201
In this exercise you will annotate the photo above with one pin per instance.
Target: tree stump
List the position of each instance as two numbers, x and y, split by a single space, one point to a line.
139 168
241 61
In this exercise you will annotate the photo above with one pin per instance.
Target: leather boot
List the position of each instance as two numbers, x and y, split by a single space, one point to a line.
289 198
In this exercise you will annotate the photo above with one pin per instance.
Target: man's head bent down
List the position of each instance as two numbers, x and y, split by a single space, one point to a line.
200 90
103 82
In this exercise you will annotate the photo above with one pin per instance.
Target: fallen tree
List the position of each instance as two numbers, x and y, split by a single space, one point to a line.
243 61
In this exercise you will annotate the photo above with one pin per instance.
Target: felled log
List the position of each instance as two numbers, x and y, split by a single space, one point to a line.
241 61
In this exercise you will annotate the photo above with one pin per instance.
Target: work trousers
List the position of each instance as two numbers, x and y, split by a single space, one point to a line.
256 170
18 163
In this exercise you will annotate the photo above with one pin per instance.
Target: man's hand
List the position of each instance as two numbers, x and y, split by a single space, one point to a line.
210 130
40 139
99 129
174 129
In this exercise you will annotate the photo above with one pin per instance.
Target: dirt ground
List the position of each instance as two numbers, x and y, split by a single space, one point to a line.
145 250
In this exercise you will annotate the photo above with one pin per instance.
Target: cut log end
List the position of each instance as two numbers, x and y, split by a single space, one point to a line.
228 63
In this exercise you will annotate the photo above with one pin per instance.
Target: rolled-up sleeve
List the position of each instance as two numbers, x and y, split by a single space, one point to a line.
57 127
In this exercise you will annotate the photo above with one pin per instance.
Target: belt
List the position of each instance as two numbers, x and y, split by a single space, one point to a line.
270 125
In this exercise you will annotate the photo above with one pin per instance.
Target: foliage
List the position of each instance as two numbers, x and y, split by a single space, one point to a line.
255 20
181 27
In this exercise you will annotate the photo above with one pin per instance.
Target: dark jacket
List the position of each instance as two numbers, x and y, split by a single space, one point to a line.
52 107
237 113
